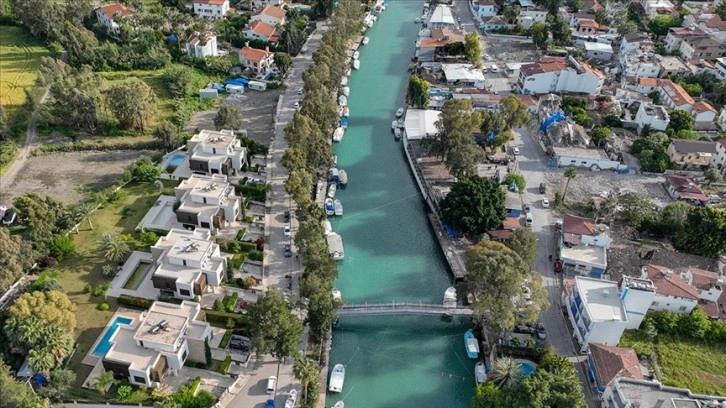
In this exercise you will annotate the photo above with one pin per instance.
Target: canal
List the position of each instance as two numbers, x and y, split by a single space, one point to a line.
390 251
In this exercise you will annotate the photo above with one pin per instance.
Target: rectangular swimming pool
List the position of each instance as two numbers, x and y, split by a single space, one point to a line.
104 345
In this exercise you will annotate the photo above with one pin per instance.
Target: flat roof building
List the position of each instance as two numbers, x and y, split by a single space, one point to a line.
207 202
420 123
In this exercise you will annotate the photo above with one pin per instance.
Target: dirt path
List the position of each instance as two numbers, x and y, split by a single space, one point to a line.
8 176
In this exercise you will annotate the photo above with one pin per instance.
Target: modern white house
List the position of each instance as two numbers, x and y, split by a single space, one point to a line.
207 202
484 8
555 75
599 51
650 114
157 343
593 159
655 8
638 65
274 16
187 263
672 293
528 16
583 245
463 76
107 13
202 45
260 30
256 60
635 42
211 9
216 152
626 392
704 116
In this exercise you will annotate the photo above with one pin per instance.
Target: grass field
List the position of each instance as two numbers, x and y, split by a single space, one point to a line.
165 103
20 55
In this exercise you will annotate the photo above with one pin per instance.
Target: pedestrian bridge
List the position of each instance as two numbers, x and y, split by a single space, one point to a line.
404 308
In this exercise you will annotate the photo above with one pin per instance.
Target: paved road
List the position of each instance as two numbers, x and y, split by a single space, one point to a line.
461 10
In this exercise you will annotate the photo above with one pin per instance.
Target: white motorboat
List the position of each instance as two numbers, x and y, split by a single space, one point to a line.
366 40
337 378
399 112
348 72
337 295
342 178
401 123
331 193
339 404
335 160
418 20
480 372
356 64
338 134
338 206
394 124
397 133
343 100
450 296
345 90
344 81
327 228
335 246
370 22
329 207
356 55
344 111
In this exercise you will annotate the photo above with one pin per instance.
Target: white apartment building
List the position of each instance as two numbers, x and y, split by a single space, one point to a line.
637 295
211 9
485 8
157 343
528 16
674 96
553 75
207 202
583 246
630 393
676 35
718 160
108 12
638 65
202 45
652 115
672 293
216 152
186 263
634 42
599 51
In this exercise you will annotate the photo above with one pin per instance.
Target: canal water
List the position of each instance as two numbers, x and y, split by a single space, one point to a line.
391 254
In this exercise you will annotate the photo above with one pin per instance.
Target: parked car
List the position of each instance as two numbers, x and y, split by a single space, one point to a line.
288 251
286 216
523 328
270 403
542 188
541 332
271 386
286 230
516 149
300 91
527 209
545 203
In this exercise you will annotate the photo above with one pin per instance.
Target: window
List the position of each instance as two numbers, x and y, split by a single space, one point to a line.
140 380
184 262
205 224
654 304
184 356
682 309
184 292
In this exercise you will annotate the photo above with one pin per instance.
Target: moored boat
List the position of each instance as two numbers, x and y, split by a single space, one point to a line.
394 125
327 228
343 100
418 20
450 296
397 133
356 64
331 192
343 178
356 55
344 122
338 134
472 344
337 378
338 206
329 207
344 81
366 40
337 295
345 91
399 112
339 404
480 373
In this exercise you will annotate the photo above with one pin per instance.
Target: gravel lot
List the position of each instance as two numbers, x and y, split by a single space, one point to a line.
65 176
588 184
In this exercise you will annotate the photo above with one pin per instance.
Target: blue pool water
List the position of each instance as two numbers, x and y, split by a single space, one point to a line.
527 367
176 160
104 345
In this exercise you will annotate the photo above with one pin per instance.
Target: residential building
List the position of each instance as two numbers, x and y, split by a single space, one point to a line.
109 13
599 51
635 42
671 66
559 75
691 154
676 35
211 9
595 311
606 363
259 30
674 96
590 28
513 204
494 23
442 17
655 8
684 188
637 295
463 75
256 4
638 65
256 60
592 7
652 115
484 8
576 18
216 152
593 159
187 263
715 27
427 48
530 102
207 202
672 293
529 16
584 245
708 284
720 68
201 45
701 48
704 116
719 160
157 343
630 393
645 85
274 16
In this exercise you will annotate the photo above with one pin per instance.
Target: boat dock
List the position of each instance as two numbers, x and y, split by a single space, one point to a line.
408 308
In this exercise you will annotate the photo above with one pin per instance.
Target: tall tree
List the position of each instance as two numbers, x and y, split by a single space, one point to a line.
513 111
506 373
540 34
454 142
474 205
44 217
472 48
16 257
705 232
180 80
45 18
524 243
570 173
600 135
418 92
167 136
229 117
132 102
636 208
304 135
17 394
680 120
560 30
274 328
551 389
282 62
306 371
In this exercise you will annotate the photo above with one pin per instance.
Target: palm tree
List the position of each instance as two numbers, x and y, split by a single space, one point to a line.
159 186
102 382
306 371
114 248
25 333
41 360
83 211
57 342
570 173
506 372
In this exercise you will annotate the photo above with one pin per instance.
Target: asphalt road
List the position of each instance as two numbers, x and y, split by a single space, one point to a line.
462 11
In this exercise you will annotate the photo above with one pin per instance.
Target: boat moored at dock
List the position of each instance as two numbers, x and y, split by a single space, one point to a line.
335 246
480 373
332 189
472 345
338 134
399 112
337 378
329 206
356 55
342 178
366 40
338 206
450 296
356 64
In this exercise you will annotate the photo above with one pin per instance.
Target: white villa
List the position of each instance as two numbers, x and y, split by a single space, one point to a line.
201 45
212 9
216 152
208 202
108 12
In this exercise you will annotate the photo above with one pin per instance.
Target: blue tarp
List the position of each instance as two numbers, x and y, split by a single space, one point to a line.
344 121
554 118
237 81
450 231
172 38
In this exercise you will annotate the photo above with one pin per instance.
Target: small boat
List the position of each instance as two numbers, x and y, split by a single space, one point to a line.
394 125
344 81
336 323
348 72
338 134
480 372
356 55
338 206
331 193
344 122
370 22
418 20
450 296
472 344
337 378
339 404
399 112
356 64
342 178
397 133
337 295
401 123
327 228
343 100
366 40
329 207
345 91
345 111
334 175
335 160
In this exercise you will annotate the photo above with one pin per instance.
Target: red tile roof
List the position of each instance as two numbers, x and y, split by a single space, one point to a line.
572 224
210 2
611 362
112 9
716 23
685 31
254 55
529 100
195 38
511 223
501 235
703 279
261 28
441 37
545 65
675 92
652 82
668 283
702 106
588 23
274 12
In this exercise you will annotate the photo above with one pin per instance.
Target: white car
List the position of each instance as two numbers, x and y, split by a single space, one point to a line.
297 104
286 230
545 203
495 69
304 49
516 150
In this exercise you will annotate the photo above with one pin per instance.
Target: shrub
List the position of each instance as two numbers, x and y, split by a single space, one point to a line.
46 261
225 339
221 318
124 393
109 270
230 302
134 301
255 255
103 307
224 367
148 238
247 246
218 306
62 245
87 288
101 289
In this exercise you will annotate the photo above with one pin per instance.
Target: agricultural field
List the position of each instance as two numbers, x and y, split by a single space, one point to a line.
20 55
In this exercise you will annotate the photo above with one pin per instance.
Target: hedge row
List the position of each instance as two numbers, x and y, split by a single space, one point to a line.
134 301
224 367
86 147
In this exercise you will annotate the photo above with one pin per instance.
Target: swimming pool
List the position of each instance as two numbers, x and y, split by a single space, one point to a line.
176 160
105 344
527 367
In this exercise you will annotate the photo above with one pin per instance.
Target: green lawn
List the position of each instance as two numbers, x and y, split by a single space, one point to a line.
685 363
85 267
20 55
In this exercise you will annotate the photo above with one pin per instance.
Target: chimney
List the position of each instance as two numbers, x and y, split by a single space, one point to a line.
267 48
247 44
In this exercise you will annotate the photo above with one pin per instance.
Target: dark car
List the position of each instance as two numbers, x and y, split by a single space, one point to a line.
288 251
286 216
270 403
541 332
542 188
523 328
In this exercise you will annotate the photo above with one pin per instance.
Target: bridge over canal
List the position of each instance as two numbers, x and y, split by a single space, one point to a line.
403 308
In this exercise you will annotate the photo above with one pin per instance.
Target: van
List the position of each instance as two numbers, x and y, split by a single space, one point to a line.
528 222
271 383
542 188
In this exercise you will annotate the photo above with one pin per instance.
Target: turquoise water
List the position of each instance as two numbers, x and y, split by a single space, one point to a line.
176 160
104 345
527 367
390 251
